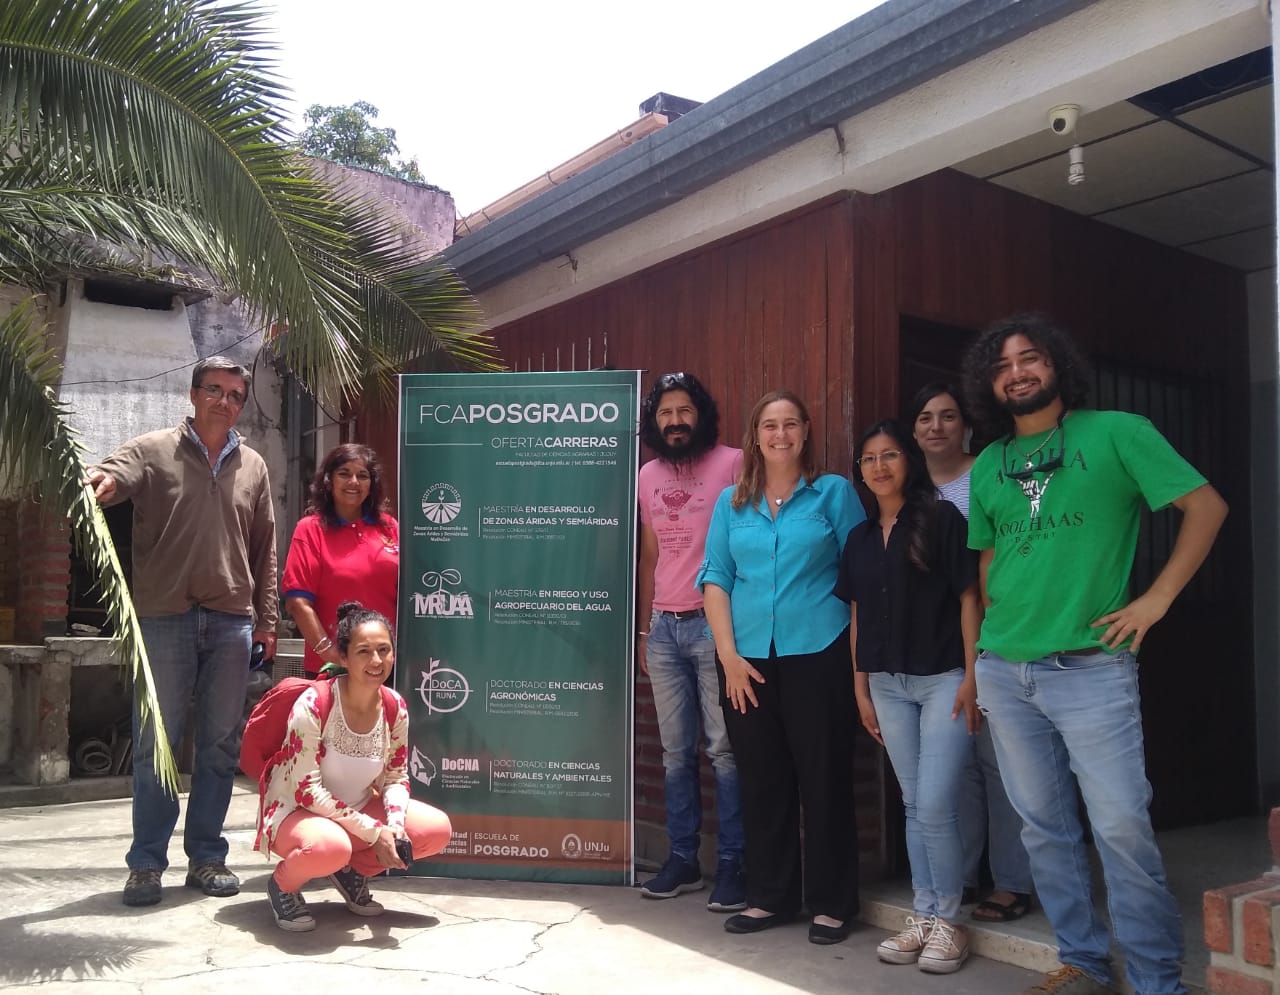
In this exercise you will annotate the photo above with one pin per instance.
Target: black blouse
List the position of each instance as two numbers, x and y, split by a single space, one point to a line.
908 620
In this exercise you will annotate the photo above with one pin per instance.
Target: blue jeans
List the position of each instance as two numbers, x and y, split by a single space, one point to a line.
1063 714
681 658
928 750
205 653
987 819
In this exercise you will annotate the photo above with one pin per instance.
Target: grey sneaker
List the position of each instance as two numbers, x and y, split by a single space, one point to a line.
906 947
143 887
1068 980
354 889
289 908
214 879
945 950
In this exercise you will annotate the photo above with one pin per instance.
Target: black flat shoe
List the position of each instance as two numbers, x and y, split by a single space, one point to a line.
754 924
823 935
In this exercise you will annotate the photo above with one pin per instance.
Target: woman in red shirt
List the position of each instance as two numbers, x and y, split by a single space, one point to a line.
345 547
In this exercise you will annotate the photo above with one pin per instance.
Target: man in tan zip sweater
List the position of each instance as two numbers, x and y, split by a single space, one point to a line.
204 585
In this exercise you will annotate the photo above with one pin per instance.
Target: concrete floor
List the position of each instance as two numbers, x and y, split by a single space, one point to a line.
63 929
61 866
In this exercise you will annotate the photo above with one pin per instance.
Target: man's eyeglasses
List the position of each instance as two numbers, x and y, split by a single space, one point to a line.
216 393
888 459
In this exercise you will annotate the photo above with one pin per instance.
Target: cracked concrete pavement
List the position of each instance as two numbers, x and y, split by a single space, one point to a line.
64 929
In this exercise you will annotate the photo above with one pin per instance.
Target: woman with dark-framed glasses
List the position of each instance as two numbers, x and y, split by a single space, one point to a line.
912 586
987 818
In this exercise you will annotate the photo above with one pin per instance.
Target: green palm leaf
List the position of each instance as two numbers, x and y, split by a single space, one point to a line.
146 136
29 409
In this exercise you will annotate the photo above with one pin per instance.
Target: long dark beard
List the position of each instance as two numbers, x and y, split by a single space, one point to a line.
684 456
1038 401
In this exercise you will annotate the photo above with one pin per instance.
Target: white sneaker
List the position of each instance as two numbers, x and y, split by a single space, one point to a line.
905 948
946 949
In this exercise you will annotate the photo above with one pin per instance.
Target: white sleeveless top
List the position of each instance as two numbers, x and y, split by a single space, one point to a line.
352 761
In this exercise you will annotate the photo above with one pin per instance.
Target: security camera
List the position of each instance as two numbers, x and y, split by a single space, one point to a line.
1063 118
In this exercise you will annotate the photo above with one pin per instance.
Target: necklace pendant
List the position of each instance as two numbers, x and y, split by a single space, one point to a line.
778 502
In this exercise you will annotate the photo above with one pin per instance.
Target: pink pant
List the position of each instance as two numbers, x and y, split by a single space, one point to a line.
314 846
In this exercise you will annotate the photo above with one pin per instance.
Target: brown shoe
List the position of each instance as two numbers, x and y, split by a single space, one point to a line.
946 949
905 947
1068 980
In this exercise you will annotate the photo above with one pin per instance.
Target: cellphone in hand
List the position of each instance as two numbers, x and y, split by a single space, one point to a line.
404 850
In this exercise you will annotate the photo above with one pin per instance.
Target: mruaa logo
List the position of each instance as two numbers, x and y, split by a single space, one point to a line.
439 601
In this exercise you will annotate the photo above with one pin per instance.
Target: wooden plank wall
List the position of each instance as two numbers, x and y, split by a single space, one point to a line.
769 308
968 253
766 309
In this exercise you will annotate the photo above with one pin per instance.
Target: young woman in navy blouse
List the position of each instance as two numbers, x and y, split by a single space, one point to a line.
772 558
912 584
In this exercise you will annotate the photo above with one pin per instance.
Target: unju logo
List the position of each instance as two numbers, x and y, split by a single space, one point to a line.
441 504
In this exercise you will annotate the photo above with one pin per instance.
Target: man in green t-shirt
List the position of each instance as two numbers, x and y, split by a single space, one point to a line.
1054 511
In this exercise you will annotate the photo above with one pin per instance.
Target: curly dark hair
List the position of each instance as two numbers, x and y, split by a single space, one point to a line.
352 615
1070 368
921 508
321 497
705 434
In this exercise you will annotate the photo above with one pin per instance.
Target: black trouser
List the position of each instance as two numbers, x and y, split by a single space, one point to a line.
795 751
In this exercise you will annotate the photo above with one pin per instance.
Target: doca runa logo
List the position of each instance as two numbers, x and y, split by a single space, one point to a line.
443 689
441 503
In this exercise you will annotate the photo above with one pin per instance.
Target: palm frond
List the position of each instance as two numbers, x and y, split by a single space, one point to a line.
173 101
411 308
29 409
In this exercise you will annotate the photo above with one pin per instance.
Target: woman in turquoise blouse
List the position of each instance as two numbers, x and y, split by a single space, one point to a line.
772 559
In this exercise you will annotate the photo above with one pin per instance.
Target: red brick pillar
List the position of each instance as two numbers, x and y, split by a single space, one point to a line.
1240 930
44 573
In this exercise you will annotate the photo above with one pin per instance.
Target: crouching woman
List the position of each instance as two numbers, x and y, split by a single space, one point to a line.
337 803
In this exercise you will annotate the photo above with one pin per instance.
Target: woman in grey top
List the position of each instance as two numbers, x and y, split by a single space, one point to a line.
986 817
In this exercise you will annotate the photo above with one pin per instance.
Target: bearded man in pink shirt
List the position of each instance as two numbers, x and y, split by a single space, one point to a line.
679 422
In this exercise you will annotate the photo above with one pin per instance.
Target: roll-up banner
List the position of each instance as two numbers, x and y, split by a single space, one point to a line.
515 645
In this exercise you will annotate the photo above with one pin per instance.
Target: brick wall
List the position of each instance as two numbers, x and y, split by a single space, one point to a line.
43 545
1242 930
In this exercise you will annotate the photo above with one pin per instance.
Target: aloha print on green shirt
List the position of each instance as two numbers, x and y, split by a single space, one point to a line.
1061 511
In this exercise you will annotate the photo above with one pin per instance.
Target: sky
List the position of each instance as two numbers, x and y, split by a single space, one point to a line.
489 94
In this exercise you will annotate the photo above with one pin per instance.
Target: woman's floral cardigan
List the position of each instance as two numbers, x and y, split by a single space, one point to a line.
295 781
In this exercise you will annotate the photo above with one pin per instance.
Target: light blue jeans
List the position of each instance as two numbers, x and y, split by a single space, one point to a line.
1063 714
206 654
928 750
987 819
681 657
